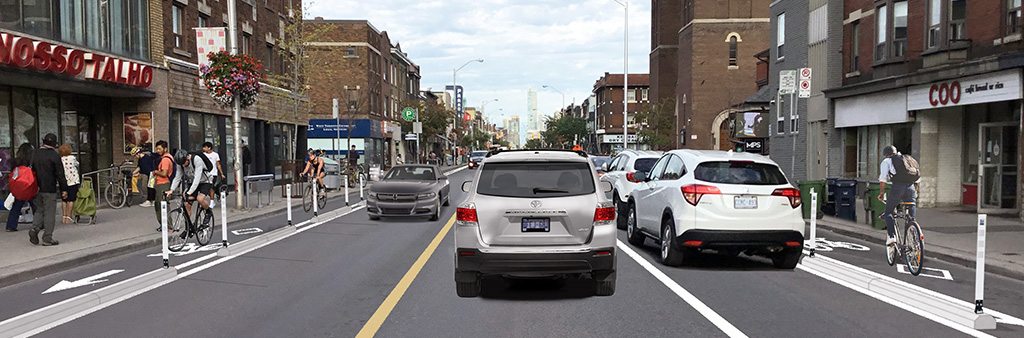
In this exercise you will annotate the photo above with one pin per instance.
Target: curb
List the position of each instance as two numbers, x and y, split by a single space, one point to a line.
941 254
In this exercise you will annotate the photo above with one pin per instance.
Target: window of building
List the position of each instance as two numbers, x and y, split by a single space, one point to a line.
270 57
351 51
732 51
779 108
957 20
631 96
352 99
643 95
203 21
934 23
1013 22
855 48
899 28
177 23
245 43
72 28
881 22
781 35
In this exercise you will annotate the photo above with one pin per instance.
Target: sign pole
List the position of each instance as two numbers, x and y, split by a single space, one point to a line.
979 274
417 137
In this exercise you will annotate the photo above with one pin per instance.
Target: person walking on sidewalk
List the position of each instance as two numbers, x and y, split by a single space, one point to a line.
50 177
901 172
70 164
147 162
22 159
163 173
217 174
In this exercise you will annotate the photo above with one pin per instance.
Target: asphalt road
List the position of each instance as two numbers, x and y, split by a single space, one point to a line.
332 279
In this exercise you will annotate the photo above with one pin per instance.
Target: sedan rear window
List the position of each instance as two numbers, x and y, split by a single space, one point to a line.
644 164
535 180
410 173
735 172
478 154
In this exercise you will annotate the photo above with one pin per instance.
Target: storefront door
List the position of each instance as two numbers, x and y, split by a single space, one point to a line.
997 191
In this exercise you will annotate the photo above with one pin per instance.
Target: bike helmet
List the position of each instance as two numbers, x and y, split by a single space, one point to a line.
888 151
180 157
136 151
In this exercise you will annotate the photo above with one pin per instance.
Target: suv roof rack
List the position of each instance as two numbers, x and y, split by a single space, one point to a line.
498 151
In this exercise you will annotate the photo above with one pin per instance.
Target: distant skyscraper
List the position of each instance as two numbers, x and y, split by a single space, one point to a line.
513 130
533 121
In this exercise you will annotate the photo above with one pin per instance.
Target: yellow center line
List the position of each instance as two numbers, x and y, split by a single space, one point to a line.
378 318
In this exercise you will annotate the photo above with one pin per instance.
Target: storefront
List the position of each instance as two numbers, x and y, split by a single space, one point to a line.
612 143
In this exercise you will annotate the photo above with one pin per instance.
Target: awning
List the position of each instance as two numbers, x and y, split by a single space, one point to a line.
886 107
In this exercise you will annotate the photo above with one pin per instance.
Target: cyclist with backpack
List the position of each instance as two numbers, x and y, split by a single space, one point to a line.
202 179
901 172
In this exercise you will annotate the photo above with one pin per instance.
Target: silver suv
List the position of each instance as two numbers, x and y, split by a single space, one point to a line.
534 214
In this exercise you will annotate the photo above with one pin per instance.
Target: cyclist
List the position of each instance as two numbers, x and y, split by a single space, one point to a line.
201 181
315 167
903 187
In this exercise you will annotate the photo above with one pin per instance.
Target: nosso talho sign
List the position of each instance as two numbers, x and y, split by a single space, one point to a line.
27 53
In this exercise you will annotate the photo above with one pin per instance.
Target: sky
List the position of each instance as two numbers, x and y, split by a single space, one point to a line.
565 44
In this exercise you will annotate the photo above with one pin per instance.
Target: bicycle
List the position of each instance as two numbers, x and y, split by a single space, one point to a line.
118 191
185 228
909 240
355 176
307 196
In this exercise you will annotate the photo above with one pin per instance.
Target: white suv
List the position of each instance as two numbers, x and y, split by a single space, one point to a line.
724 201
535 213
619 172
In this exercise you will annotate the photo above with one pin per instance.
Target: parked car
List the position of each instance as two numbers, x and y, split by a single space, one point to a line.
409 190
599 162
475 158
619 172
535 213
729 202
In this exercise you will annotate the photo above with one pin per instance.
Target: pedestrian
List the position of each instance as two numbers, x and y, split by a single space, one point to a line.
164 172
216 174
398 159
22 158
147 162
50 176
246 159
353 157
70 164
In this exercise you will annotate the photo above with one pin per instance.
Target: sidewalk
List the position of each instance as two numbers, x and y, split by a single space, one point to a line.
951 235
117 231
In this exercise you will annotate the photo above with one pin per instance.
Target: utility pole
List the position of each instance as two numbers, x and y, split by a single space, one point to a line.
236 114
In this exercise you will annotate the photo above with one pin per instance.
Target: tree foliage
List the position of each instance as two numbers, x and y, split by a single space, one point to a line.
564 131
535 143
659 122
434 116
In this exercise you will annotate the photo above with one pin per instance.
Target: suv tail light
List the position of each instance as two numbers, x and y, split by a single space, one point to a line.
604 214
694 192
629 177
466 215
791 193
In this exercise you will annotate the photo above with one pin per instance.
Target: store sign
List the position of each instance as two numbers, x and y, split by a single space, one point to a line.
752 145
1000 86
41 55
617 138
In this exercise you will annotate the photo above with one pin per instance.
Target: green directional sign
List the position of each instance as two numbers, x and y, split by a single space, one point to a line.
409 114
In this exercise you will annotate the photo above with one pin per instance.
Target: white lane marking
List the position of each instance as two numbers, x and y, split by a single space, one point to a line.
246 231
824 245
688 297
65 285
190 248
943 274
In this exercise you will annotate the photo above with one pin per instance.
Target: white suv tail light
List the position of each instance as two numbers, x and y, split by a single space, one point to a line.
791 193
694 192
465 215
604 214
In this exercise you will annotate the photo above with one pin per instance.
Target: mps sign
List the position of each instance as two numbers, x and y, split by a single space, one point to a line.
751 145
999 86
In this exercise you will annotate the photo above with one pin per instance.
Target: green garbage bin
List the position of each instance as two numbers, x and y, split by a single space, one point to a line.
875 207
805 196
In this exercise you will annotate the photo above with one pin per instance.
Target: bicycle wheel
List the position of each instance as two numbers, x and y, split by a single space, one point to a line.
915 248
362 178
205 229
307 199
176 222
321 199
116 195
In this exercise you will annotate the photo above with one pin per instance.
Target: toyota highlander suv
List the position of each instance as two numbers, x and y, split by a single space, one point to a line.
724 201
619 172
535 214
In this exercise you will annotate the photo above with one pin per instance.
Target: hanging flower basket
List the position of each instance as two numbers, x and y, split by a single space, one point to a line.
230 75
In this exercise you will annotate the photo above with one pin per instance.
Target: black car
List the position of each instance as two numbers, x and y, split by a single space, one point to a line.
475 158
409 190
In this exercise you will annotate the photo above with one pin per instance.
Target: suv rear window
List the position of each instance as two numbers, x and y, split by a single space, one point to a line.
644 164
478 154
735 172
536 180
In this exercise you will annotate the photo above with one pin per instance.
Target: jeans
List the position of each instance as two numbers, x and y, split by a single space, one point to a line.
45 214
900 192
15 213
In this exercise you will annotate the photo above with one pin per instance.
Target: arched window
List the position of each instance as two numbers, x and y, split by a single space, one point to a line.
732 50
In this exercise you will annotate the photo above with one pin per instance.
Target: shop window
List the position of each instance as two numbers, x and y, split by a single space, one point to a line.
934 23
899 28
1013 21
855 48
72 28
196 136
957 20
49 114
780 36
177 23
880 27
24 114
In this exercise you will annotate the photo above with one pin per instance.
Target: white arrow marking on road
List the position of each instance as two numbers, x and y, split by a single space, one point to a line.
64 285
246 231
944 273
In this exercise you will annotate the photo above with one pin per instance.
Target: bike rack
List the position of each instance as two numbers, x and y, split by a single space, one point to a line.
259 184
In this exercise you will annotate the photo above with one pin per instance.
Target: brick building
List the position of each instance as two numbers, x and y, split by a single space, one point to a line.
608 109
941 80
700 53
373 78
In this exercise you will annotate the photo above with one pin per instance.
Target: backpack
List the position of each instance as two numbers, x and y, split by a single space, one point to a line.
206 162
174 166
23 183
907 169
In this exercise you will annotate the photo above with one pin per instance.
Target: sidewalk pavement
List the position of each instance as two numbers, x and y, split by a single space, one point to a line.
117 231
952 235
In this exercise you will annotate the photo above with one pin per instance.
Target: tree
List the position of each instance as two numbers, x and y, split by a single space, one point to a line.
564 130
533 144
303 63
659 123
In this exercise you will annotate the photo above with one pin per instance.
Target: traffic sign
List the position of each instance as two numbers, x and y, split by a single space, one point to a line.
787 81
409 114
417 127
805 73
805 83
411 137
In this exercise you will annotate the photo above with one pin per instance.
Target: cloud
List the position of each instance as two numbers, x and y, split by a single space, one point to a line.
567 45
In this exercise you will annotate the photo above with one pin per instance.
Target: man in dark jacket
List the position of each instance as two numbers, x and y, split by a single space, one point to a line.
49 176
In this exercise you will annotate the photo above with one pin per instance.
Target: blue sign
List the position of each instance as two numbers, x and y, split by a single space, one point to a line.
458 97
330 128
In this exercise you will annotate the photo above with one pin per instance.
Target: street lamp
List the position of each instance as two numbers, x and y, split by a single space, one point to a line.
455 90
560 92
625 74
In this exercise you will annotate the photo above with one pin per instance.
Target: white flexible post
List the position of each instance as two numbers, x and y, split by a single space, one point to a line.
163 233
361 187
814 220
346 191
223 219
288 201
315 204
979 274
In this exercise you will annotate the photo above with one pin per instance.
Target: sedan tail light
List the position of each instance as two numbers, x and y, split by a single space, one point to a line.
629 177
694 192
791 193
604 213
466 215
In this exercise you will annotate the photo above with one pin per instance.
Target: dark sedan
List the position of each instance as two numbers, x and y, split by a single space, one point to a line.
475 158
409 190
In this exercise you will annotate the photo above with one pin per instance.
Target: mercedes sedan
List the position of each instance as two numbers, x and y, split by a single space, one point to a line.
409 190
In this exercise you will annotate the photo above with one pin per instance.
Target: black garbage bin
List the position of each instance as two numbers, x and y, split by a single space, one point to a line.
829 207
846 199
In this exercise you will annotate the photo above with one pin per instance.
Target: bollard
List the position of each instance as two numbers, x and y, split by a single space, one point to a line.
361 187
163 232
315 204
288 199
224 220
814 220
346 192
979 275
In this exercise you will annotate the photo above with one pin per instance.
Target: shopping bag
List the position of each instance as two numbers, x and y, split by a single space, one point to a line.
135 184
9 202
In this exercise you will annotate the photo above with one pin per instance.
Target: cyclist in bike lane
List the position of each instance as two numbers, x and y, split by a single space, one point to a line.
202 180
901 173
315 167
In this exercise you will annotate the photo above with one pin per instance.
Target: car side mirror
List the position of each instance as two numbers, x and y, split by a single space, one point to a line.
467 186
640 176
604 167
606 186
442 178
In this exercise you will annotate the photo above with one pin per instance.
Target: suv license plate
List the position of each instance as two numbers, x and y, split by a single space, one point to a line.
536 224
745 202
